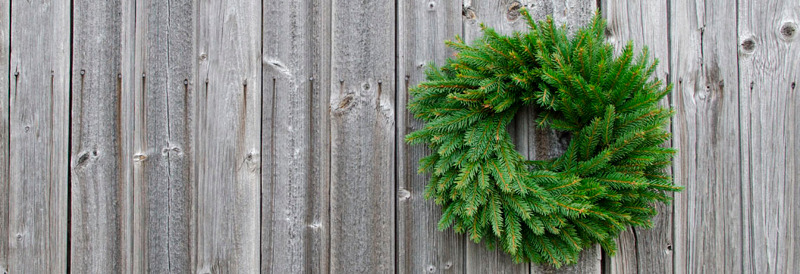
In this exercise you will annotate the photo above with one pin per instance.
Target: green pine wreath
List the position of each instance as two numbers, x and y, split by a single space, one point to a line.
544 211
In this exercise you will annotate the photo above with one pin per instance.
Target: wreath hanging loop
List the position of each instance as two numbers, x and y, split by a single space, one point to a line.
544 211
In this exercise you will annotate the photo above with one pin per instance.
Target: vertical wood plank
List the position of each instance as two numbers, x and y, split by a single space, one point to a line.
163 93
228 128
422 248
549 144
126 133
39 137
708 213
362 137
504 16
295 139
768 56
643 23
5 35
95 216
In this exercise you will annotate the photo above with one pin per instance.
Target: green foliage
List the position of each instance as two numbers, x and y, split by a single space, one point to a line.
544 211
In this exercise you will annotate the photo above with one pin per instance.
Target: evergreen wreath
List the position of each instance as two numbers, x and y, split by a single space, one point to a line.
544 211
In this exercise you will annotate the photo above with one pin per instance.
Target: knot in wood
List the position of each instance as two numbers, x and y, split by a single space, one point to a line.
468 13
513 11
748 45
788 30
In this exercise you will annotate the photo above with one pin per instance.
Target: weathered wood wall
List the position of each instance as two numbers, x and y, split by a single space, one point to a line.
266 136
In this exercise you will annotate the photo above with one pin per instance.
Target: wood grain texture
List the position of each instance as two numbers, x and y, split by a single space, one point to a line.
95 219
363 136
768 74
39 137
708 213
163 63
5 40
127 109
228 128
642 22
422 248
295 137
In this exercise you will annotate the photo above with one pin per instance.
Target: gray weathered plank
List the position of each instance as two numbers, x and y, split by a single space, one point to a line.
39 137
5 27
363 135
422 248
547 144
708 213
95 216
769 55
163 63
126 133
227 127
294 166
504 16
643 22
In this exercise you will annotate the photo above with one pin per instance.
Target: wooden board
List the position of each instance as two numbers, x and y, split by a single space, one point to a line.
295 138
421 247
362 102
128 81
642 22
504 17
126 133
163 63
227 127
769 54
708 213
39 136
95 158
544 144
5 28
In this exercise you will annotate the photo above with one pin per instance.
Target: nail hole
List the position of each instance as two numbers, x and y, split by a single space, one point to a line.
669 247
431 269
83 72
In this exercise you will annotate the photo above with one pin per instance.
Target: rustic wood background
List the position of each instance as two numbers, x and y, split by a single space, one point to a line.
219 136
